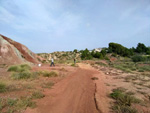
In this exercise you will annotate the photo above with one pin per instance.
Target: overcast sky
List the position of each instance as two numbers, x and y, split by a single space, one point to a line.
62 25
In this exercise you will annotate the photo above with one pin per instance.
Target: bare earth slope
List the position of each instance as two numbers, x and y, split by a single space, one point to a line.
12 52
77 93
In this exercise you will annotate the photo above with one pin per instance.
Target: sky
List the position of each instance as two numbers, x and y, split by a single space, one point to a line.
65 25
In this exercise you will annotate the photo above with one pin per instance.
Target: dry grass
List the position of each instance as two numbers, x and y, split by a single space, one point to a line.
123 101
23 82
48 73
48 84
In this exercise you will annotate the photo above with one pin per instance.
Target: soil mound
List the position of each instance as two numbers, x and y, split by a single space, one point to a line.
12 52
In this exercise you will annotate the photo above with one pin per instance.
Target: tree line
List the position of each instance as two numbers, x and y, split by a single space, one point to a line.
117 49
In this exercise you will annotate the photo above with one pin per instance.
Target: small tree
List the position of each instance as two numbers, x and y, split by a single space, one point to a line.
86 55
148 51
75 51
138 58
103 52
141 48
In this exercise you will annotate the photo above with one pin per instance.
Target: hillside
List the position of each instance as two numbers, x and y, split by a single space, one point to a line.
12 52
59 57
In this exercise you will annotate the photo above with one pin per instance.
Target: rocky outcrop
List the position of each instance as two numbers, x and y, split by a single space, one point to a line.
12 52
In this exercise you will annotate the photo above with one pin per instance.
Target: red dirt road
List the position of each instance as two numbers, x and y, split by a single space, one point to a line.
74 94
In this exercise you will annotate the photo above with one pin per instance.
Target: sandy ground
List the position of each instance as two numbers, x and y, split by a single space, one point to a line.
75 90
76 93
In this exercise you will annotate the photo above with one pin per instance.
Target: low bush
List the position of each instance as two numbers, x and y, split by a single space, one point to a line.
145 68
34 75
141 70
2 87
21 75
123 101
122 98
25 102
73 65
16 105
25 66
48 84
138 58
37 95
48 74
114 54
13 68
11 102
124 109
122 67
2 104
19 68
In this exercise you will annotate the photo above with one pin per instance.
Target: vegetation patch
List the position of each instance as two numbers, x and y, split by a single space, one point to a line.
48 74
87 55
48 84
144 68
37 95
74 65
100 63
25 102
14 105
123 101
22 72
21 75
19 68
2 87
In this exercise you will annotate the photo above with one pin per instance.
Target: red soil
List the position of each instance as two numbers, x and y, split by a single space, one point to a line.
23 50
77 93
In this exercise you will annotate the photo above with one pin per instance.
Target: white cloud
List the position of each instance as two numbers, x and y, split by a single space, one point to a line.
41 16
6 16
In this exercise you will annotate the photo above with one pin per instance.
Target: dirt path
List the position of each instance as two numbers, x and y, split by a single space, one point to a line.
77 93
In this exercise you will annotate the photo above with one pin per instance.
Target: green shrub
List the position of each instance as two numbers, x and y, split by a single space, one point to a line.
122 67
2 87
25 102
145 68
75 50
73 65
119 49
48 74
106 58
37 95
16 105
122 98
141 48
123 101
25 66
114 54
34 74
21 75
138 58
48 84
11 102
2 103
124 109
13 68
19 68
141 70
133 68
86 55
